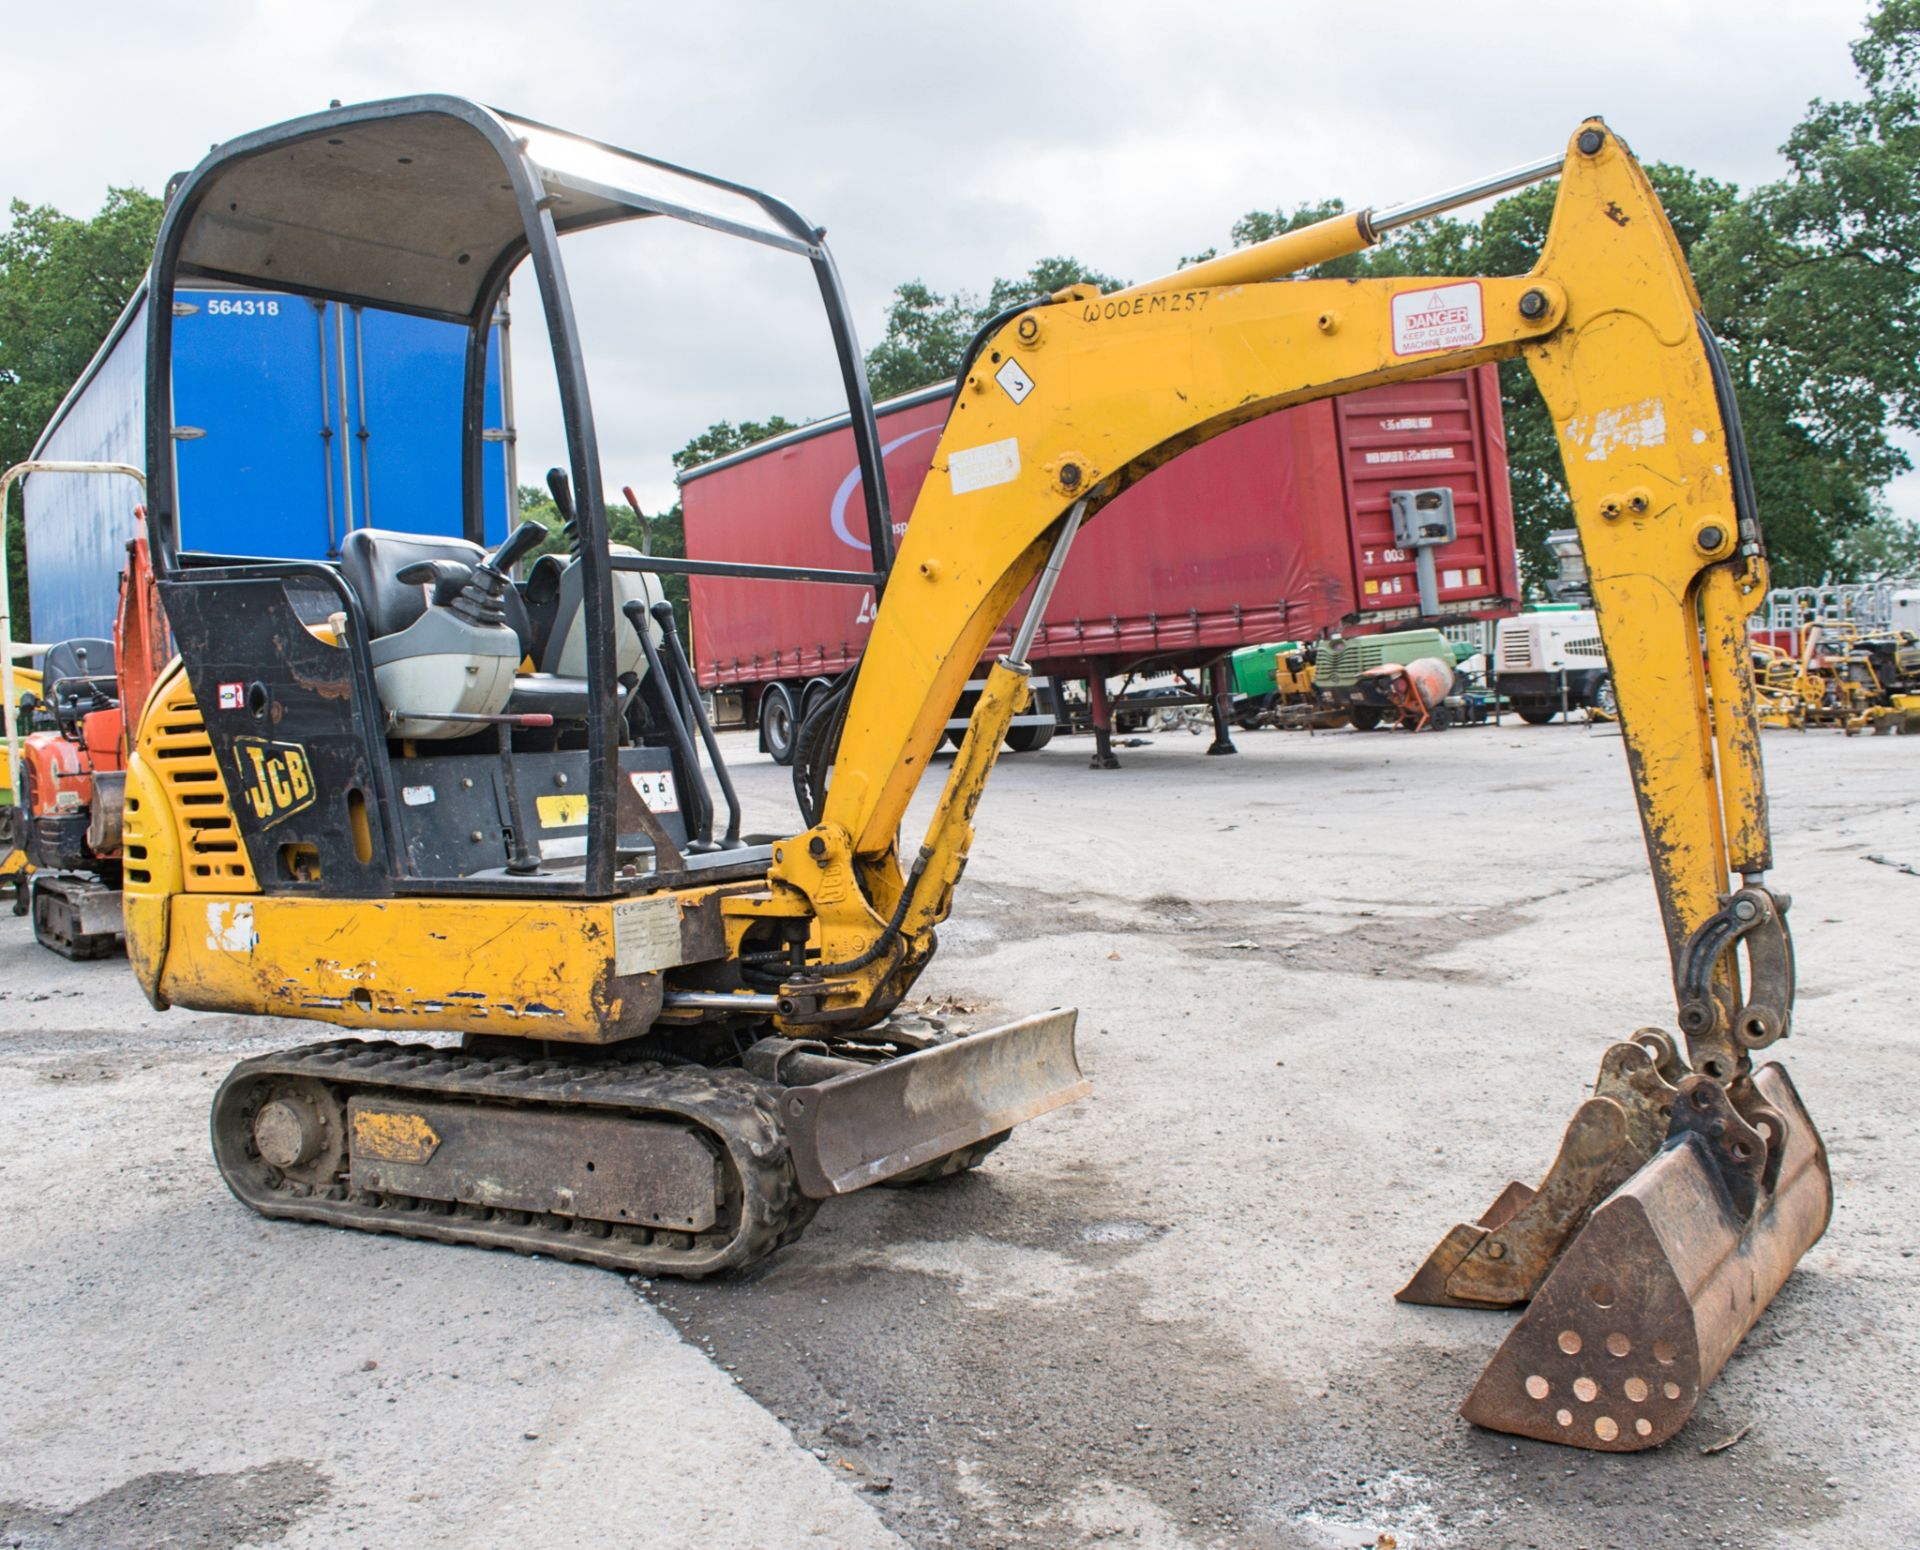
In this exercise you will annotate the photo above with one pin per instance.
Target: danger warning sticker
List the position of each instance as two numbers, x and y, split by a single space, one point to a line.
1446 317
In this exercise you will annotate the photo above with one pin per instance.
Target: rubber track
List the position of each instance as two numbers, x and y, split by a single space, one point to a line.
764 1208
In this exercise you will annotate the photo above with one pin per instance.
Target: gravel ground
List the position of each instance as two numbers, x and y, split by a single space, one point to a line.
1333 993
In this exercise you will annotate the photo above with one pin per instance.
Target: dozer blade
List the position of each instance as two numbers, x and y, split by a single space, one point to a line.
865 1127
1667 1277
1500 1261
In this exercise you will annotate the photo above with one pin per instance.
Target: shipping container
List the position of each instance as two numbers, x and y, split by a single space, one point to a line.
1281 529
297 421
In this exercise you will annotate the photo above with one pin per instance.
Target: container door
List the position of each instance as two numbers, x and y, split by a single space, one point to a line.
403 377
255 425
1418 435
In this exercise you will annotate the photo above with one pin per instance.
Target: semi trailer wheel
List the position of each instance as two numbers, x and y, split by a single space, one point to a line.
1028 739
776 722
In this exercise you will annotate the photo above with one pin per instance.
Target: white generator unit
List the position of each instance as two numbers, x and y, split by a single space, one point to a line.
1552 661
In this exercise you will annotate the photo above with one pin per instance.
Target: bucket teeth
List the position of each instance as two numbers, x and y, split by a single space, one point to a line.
1666 1278
1501 1261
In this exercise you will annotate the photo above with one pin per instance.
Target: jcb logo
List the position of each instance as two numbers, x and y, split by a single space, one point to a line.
278 779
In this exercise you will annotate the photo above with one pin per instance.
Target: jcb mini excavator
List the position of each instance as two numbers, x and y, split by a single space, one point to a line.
410 792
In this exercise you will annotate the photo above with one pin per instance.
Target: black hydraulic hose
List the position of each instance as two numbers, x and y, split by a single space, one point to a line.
1746 504
817 744
987 330
888 936
663 611
700 818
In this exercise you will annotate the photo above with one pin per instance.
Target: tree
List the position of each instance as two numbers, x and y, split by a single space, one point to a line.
1814 282
927 332
63 282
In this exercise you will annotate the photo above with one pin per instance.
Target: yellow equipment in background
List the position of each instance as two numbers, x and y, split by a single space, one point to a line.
13 858
1833 681
677 1042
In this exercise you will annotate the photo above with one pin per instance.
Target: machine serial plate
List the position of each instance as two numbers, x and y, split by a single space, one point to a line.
646 935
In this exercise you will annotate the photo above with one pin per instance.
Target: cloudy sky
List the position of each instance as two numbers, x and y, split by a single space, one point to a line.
947 143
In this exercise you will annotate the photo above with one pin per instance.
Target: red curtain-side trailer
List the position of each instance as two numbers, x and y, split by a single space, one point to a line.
1278 530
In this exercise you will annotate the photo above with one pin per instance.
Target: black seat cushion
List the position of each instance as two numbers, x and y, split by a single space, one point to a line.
78 676
372 558
79 658
541 595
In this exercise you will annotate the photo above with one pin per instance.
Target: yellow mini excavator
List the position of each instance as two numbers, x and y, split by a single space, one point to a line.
413 790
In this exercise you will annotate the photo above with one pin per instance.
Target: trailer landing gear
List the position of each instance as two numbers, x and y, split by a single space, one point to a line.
1221 683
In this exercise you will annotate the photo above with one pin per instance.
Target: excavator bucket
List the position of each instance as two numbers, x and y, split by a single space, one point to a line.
1656 1285
869 1126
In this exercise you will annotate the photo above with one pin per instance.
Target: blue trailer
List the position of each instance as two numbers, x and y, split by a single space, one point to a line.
296 421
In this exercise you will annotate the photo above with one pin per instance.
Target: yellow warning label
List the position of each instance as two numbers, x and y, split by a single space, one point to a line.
1373 589
400 1138
562 811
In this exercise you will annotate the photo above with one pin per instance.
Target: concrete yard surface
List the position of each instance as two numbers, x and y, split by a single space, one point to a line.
1333 994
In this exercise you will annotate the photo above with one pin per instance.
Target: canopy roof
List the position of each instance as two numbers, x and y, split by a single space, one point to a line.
416 204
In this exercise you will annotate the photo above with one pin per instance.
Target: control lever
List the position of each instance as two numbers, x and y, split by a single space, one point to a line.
476 592
683 670
698 806
517 545
646 531
561 488
448 578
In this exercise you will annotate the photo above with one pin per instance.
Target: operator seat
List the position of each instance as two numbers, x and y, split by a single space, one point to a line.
78 676
371 560
562 646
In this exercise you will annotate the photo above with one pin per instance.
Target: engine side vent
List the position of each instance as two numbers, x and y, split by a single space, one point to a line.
173 740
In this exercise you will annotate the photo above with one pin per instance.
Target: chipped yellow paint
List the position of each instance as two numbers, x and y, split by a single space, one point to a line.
535 968
398 1138
1123 384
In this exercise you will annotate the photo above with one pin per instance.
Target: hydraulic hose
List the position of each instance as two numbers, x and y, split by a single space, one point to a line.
1746 504
816 744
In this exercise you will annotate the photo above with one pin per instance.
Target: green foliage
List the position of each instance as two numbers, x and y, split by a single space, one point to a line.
716 441
927 332
1882 549
1812 284
63 282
